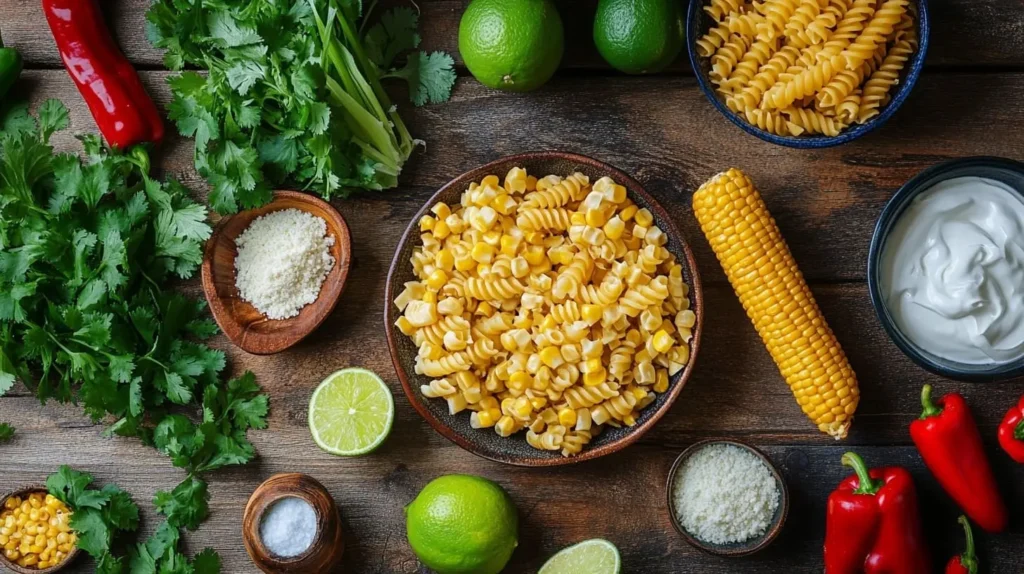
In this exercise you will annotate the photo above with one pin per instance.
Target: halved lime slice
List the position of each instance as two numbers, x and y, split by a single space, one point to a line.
595 556
351 412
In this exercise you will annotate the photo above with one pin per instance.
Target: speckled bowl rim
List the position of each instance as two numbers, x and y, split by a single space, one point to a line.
695 29
891 213
548 458
735 550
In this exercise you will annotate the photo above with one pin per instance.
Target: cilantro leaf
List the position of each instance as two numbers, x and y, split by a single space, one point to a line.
431 77
395 34
6 432
94 535
187 505
53 116
206 562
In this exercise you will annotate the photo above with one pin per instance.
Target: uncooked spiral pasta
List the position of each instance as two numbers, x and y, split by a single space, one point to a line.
770 60
726 58
758 54
767 74
876 89
492 289
875 33
564 192
776 14
552 219
848 110
549 306
813 121
719 9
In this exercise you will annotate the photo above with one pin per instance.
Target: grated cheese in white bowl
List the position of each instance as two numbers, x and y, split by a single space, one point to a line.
724 494
283 259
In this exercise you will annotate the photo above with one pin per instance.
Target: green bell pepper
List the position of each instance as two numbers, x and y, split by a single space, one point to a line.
10 68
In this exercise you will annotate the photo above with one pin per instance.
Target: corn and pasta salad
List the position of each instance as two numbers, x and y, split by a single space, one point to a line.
549 306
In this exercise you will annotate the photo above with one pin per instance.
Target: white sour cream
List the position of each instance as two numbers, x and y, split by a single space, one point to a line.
953 271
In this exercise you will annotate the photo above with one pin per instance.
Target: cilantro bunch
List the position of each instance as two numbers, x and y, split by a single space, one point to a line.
100 516
292 93
88 250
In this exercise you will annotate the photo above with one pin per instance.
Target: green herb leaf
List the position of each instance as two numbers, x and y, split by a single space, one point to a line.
186 506
6 432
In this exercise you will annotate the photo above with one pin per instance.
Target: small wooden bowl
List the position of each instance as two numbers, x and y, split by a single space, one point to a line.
328 545
245 326
737 549
22 493
485 442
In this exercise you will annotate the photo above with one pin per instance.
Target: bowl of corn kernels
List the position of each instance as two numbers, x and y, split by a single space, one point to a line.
35 532
542 310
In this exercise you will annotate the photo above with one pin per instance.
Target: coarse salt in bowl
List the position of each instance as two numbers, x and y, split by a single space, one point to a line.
726 498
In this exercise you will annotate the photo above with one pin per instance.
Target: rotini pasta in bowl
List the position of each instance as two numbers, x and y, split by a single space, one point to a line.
542 310
807 73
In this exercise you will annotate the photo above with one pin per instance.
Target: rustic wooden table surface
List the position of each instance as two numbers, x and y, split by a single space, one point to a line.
969 101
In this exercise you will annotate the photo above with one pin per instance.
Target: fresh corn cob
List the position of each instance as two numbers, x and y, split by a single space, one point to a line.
773 292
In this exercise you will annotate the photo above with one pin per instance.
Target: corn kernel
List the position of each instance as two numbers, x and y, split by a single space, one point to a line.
437 279
614 228
427 223
663 341
552 357
593 235
482 253
567 417
596 217
595 378
534 255
440 230
510 245
577 218
520 267
444 260
644 217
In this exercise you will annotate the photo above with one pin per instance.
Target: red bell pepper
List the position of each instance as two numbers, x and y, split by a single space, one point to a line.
1011 432
949 441
873 525
123 110
966 563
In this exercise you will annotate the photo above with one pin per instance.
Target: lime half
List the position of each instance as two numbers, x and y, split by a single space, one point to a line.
595 556
351 412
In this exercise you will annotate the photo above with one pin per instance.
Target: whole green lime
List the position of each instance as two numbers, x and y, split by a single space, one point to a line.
513 45
639 36
462 524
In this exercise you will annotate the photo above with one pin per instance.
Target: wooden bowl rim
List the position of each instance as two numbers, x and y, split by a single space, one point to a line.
334 284
740 550
634 433
260 504
20 570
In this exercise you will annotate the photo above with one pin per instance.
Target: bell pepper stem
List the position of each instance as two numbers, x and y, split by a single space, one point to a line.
867 485
1018 433
969 559
930 409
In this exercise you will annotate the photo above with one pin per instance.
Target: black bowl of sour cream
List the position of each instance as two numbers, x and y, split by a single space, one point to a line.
946 269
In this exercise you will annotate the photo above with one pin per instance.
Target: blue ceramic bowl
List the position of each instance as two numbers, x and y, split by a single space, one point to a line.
1007 171
697 24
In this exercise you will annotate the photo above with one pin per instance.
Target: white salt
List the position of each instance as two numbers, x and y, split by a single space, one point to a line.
288 527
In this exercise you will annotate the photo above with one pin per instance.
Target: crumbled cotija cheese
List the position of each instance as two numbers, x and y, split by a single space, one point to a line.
283 259
725 494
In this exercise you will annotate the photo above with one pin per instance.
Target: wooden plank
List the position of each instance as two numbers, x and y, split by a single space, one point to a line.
826 201
620 498
965 33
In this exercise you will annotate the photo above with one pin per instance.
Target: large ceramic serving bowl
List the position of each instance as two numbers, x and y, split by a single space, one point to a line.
485 442
1006 171
698 23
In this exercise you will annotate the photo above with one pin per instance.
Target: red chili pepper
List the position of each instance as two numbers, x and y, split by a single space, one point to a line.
966 563
123 110
873 525
949 441
1011 432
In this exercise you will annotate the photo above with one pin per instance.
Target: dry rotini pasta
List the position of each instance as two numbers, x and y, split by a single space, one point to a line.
548 306
814 67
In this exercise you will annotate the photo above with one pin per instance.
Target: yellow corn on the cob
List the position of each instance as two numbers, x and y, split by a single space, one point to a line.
773 292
